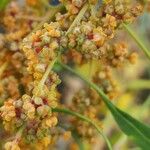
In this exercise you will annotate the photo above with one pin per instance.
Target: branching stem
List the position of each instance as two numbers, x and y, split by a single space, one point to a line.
69 112
78 18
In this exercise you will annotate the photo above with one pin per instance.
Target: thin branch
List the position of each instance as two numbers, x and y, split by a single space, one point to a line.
69 112
78 140
3 68
49 68
78 18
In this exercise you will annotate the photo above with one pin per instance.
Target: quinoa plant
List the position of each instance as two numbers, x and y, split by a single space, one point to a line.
40 42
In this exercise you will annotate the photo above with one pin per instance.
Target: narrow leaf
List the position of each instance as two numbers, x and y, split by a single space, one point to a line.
141 144
137 40
144 128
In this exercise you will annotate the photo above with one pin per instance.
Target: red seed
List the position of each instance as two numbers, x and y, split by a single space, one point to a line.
38 49
45 101
90 36
35 105
18 112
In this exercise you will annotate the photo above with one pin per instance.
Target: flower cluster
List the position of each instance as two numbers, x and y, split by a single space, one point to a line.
97 27
33 113
19 110
13 29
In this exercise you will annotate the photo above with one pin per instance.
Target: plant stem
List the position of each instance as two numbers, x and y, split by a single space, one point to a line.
101 93
78 18
78 140
69 112
19 133
91 84
2 68
49 68
137 40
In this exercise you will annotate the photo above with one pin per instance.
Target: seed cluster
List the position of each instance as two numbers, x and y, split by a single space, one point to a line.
97 27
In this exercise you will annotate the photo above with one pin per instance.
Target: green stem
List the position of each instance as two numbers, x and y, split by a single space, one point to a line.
3 68
78 140
49 68
78 18
94 86
137 40
93 11
84 79
44 78
19 133
69 112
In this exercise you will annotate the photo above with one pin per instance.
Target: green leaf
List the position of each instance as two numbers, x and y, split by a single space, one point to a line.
57 68
127 123
3 4
141 144
144 128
